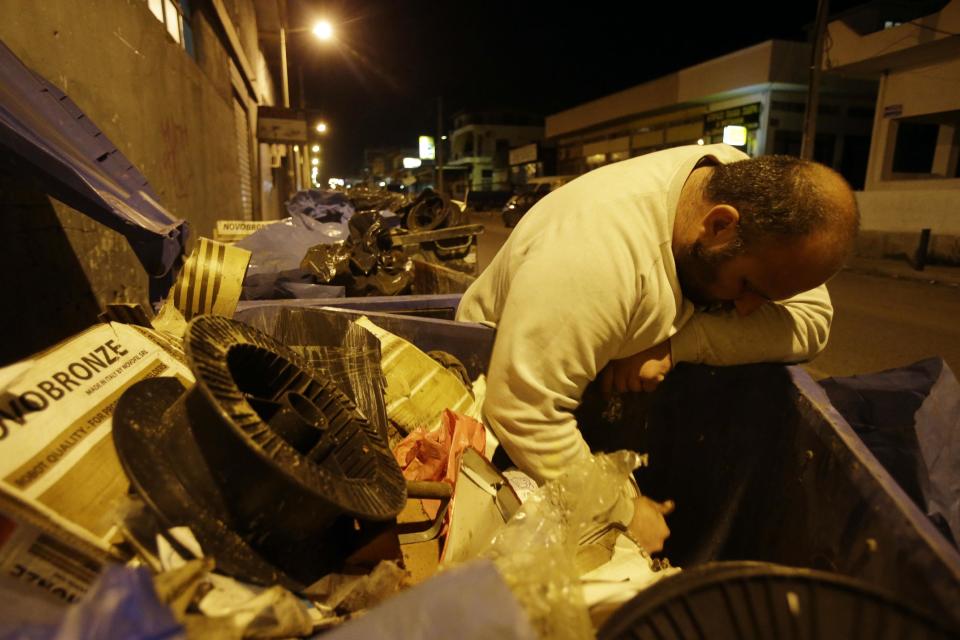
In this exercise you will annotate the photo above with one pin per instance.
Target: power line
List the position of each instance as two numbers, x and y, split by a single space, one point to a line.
934 29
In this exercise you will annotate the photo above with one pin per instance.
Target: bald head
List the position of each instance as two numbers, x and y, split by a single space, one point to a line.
786 199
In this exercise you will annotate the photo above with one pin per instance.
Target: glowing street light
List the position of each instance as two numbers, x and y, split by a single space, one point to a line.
315 161
321 127
323 30
315 148
735 135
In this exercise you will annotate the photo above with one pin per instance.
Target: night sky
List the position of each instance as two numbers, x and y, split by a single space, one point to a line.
378 84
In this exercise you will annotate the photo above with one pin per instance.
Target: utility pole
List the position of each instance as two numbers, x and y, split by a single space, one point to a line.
305 156
813 91
439 145
292 166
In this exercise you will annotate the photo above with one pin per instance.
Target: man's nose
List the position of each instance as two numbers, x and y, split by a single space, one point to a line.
748 303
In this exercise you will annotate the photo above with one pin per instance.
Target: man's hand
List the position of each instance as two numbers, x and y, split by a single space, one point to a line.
648 528
640 372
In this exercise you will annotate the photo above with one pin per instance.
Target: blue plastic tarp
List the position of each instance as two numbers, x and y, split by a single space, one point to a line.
81 167
909 418
121 604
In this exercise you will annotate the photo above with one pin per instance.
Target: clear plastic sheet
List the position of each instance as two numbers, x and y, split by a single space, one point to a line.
334 344
470 602
536 551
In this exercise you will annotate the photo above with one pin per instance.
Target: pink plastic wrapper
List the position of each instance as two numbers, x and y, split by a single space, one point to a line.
436 455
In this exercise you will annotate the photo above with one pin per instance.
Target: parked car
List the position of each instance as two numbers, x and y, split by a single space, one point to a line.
529 195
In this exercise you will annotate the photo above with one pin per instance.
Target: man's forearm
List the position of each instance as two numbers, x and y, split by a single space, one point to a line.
793 330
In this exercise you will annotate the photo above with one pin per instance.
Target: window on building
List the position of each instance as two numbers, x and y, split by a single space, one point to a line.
596 160
925 147
501 153
175 17
824 148
789 143
915 144
786 143
853 159
789 107
860 112
914 147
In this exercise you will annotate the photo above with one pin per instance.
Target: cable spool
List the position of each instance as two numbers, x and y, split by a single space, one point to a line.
265 459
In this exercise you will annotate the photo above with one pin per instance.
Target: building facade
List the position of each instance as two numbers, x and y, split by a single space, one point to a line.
480 147
761 88
913 174
175 86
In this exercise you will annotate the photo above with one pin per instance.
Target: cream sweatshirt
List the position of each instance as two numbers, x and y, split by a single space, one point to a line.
588 276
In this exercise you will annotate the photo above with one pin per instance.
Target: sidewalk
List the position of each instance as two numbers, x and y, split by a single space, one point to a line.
900 268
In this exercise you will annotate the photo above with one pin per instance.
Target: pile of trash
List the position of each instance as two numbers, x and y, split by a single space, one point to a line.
355 243
274 472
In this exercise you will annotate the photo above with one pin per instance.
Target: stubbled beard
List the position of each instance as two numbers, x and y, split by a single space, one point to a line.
697 271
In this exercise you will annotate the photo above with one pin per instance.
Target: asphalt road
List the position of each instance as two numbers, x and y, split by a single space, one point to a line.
879 322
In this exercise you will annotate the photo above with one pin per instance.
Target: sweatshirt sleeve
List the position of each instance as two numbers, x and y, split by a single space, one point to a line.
792 330
562 322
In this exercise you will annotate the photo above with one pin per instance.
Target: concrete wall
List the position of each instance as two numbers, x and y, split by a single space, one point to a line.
170 114
58 268
891 222
894 210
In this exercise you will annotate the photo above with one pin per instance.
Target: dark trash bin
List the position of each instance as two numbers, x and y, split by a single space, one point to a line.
762 467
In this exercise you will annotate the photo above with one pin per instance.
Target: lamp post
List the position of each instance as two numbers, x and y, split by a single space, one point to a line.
322 30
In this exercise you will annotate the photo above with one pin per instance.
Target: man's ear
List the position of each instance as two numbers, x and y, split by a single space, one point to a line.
720 226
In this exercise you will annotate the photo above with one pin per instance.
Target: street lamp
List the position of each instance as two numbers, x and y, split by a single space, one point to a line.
322 30
321 127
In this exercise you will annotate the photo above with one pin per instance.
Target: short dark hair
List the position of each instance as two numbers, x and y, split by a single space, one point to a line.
778 196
